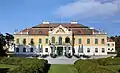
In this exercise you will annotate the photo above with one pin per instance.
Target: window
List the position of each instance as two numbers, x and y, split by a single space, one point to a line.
103 41
96 41
24 49
103 50
46 40
108 44
88 50
32 41
24 41
17 49
88 41
46 49
40 41
69 48
79 41
53 39
112 44
60 40
96 50
112 49
31 49
67 40
17 41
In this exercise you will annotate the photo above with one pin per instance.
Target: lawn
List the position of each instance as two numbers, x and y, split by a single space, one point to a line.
60 68
4 68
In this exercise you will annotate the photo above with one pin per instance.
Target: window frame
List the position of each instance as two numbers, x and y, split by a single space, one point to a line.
80 41
24 50
96 41
88 50
88 41
17 49
46 49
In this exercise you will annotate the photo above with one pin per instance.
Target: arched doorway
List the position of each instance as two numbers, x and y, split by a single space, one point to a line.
60 40
67 40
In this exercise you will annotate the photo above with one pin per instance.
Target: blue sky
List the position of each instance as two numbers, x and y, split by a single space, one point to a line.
19 14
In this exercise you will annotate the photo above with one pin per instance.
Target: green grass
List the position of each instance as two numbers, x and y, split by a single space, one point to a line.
58 68
6 66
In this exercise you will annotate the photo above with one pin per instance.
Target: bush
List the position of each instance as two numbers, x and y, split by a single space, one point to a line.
105 65
25 65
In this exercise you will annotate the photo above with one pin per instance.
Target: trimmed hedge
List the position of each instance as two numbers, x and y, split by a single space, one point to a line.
106 65
25 65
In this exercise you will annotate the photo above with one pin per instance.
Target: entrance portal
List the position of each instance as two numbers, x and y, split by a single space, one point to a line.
59 51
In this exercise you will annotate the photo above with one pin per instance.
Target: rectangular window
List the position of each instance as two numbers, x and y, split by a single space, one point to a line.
88 50
80 41
88 41
17 41
46 40
96 50
46 49
40 41
103 50
96 41
69 48
24 49
17 49
31 49
103 41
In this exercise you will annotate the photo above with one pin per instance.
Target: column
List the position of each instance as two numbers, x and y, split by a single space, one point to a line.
56 50
63 50
71 51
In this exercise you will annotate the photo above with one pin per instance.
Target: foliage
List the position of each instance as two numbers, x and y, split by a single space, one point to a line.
5 40
105 65
117 44
25 65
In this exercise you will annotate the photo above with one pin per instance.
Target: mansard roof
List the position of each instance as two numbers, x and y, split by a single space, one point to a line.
42 29
67 25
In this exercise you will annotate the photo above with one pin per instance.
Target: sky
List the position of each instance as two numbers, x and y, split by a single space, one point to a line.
103 15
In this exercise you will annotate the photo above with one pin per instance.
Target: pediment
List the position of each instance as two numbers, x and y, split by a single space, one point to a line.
60 30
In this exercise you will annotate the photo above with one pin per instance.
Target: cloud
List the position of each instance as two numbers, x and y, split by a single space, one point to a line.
89 8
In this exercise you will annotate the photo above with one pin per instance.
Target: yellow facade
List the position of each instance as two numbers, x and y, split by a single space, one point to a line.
76 37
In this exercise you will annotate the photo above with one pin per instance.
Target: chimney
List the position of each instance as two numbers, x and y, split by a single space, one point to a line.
46 22
74 22
92 28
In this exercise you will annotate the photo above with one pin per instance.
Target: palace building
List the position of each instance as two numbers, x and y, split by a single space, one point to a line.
62 38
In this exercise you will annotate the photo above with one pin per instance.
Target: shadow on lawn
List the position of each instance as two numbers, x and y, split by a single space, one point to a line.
4 70
47 68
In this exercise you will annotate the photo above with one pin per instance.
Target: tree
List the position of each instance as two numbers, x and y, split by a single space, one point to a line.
5 42
117 44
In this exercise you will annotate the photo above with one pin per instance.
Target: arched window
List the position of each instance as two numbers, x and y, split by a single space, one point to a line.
46 40
24 41
53 39
67 40
60 40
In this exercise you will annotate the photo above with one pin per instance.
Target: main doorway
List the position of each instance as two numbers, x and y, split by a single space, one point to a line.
59 51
